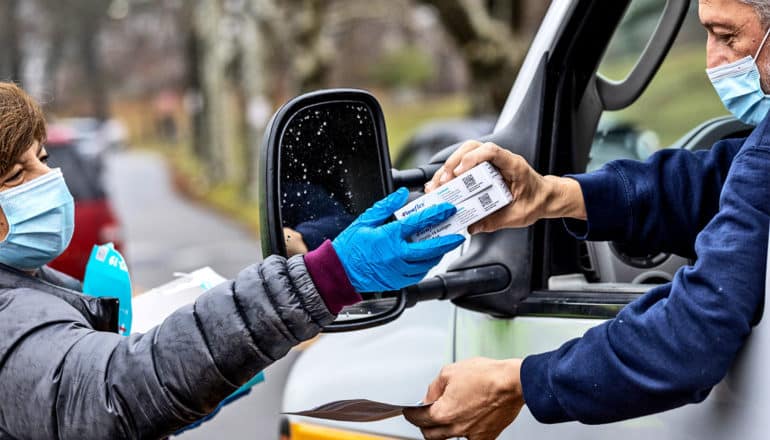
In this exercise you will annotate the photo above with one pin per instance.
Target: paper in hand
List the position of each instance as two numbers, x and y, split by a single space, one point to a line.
358 410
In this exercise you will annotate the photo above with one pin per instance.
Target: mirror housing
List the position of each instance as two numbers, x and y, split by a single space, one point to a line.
329 149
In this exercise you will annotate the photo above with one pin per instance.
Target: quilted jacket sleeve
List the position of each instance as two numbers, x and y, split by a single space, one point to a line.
64 380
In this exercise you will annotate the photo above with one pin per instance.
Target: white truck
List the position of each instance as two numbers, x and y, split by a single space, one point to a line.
513 292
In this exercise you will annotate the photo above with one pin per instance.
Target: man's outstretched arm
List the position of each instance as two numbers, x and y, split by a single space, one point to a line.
657 205
665 350
671 346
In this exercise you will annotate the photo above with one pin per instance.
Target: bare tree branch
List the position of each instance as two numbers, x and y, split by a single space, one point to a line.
490 46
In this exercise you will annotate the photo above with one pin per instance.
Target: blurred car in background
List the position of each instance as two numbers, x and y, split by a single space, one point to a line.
619 139
615 138
434 136
94 137
95 221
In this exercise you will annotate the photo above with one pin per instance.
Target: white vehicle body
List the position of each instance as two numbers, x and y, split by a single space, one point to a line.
396 362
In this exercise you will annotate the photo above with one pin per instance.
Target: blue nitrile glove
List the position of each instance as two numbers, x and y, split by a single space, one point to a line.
378 258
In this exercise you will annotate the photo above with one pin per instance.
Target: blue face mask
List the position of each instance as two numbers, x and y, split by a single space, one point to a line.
41 218
739 86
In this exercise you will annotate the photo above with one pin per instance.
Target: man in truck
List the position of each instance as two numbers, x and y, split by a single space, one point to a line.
674 344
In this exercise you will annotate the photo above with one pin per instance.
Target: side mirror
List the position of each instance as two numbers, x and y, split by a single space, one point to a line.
324 161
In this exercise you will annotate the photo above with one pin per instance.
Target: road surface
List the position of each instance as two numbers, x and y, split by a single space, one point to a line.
165 233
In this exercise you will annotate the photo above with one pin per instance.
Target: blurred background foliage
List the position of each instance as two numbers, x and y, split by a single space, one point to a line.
199 79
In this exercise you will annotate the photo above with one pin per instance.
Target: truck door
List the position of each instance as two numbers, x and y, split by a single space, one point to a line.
574 286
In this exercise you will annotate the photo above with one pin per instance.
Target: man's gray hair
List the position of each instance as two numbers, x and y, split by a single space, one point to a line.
763 9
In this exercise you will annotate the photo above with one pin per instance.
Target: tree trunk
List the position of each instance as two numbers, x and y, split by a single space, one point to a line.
311 53
254 79
51 66
492 50
219 157
193 90
11 57
88 44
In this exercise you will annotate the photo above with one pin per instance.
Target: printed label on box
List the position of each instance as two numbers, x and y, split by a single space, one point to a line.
469 212
476 193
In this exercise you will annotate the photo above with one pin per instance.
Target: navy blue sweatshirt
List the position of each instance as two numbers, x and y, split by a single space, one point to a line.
672 345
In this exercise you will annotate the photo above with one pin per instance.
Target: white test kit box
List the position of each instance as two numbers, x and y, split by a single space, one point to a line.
476 194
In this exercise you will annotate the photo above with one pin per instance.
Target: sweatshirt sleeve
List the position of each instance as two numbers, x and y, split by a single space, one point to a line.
671 346
656 205
330 279
64 380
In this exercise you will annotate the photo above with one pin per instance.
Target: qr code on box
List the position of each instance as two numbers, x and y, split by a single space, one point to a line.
101 253
469 182
486 201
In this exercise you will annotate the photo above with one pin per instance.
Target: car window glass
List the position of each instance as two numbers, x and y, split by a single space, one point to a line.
679 98
630 39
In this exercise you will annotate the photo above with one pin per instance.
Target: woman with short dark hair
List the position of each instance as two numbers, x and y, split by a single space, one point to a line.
66 373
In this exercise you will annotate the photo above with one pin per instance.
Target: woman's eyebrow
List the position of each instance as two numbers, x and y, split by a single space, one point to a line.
40 148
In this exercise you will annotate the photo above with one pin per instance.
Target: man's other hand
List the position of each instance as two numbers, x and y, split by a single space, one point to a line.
534 196
476 399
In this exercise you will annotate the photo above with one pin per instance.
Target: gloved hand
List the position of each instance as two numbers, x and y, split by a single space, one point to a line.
378 258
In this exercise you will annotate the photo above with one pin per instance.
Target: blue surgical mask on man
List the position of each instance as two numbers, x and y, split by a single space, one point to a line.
41 220
739 86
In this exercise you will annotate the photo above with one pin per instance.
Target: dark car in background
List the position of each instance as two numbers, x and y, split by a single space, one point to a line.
95 221
434 136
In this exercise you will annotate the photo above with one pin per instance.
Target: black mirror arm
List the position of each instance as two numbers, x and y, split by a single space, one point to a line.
415 177
457 284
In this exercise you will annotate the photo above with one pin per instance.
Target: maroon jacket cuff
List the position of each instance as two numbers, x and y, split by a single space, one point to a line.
330 279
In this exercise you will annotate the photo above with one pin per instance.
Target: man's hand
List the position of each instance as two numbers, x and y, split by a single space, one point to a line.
475 399
534 196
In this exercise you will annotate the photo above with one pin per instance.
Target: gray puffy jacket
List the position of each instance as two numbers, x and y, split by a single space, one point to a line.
66 374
